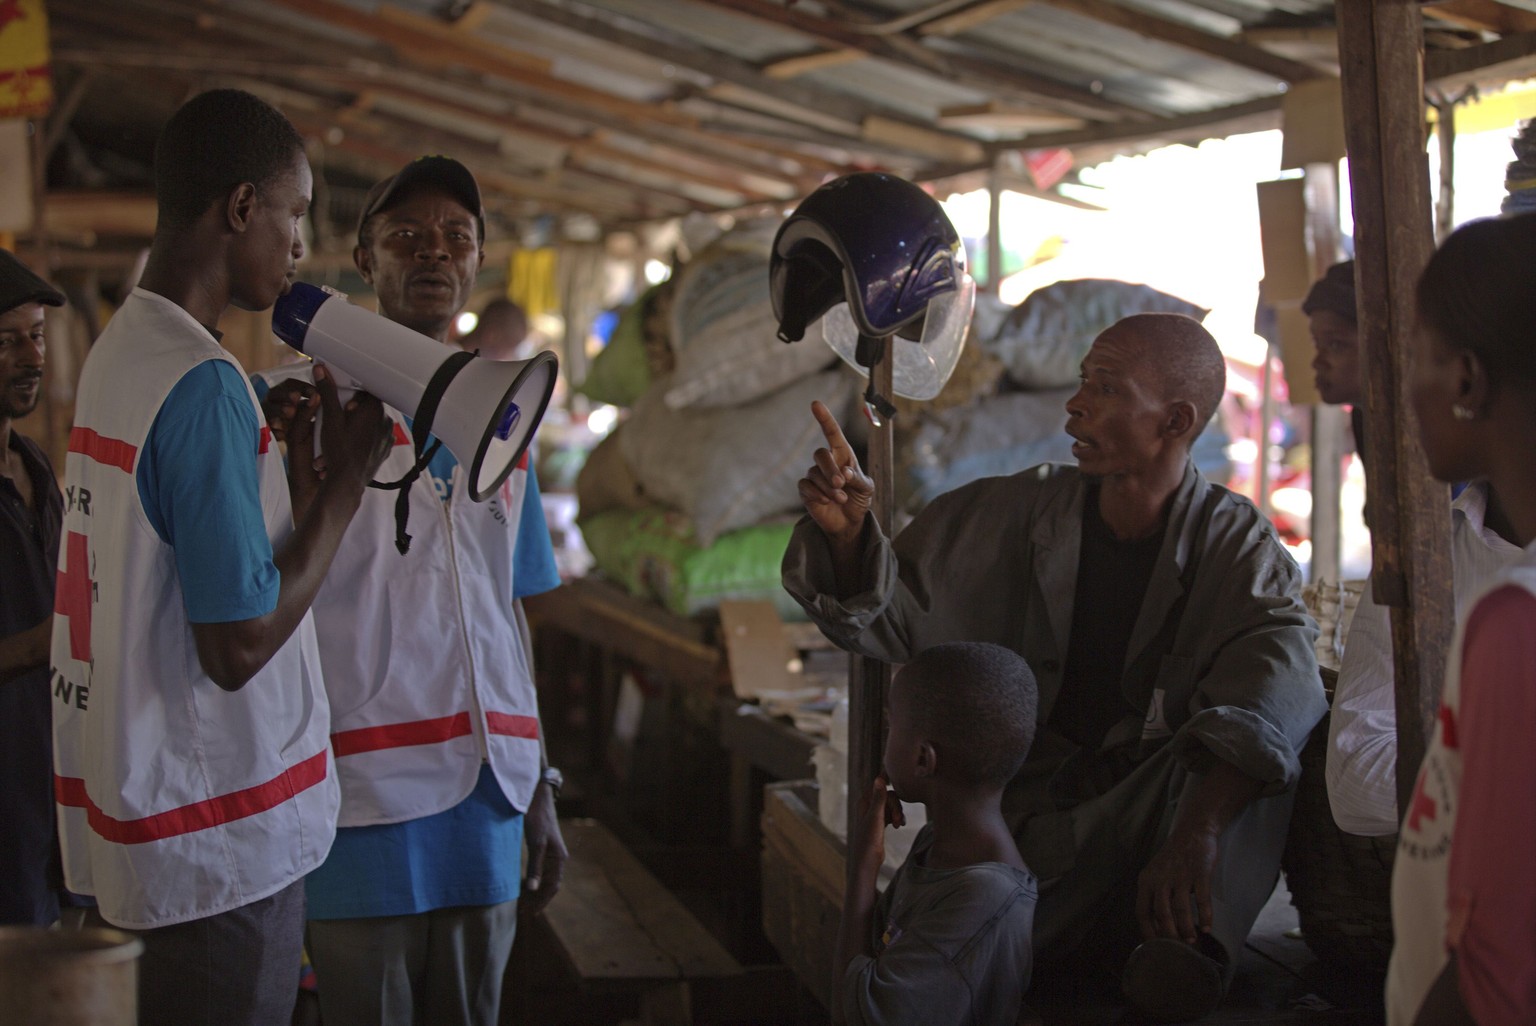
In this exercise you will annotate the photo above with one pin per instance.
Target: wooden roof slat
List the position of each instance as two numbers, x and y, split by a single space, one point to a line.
1249 116
816 60
1501 60
1484 15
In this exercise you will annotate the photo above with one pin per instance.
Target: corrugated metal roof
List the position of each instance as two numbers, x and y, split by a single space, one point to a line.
624 110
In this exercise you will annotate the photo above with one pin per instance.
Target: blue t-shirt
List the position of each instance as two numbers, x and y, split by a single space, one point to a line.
201 491
471 854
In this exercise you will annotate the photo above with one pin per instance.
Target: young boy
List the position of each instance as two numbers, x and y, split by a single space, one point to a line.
949 940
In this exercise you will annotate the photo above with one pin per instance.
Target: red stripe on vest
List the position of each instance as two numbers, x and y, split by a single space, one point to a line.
112 452
400 735
400 437
512 726
226 808
266 441
522 461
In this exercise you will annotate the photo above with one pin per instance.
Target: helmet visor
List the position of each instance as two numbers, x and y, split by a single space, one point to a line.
922 367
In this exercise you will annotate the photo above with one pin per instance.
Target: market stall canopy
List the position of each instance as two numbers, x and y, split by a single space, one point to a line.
580 116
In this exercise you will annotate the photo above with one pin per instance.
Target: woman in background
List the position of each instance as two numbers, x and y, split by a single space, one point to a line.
1464 882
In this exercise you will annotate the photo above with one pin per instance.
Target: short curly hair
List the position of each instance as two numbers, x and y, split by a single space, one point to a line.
214 142
976 703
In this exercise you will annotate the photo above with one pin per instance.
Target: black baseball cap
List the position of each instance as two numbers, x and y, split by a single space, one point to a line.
19 285
443 173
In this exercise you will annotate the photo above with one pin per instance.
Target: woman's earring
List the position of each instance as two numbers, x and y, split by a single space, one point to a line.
1461 411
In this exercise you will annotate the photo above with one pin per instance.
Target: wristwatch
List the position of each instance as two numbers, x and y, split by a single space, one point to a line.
554 778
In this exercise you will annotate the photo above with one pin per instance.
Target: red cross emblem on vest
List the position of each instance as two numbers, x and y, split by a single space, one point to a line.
72 595
1423 807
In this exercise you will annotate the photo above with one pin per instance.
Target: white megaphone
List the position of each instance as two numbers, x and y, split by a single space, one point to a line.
485 411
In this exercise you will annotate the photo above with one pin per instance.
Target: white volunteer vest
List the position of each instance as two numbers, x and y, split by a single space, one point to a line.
425 663
1421 867
177 799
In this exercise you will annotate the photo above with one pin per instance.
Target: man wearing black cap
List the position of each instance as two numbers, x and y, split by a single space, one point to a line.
30 512
428 669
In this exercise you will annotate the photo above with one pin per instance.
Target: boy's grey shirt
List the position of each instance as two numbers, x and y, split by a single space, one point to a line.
953 946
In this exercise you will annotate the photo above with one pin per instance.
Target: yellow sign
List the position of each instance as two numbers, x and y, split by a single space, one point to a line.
26 83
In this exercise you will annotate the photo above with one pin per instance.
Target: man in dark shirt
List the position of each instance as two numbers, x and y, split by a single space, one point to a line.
30 514
1174 657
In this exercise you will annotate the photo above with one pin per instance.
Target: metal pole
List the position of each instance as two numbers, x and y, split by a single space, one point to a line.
869 679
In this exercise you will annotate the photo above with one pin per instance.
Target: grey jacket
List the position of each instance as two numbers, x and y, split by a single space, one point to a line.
1221 656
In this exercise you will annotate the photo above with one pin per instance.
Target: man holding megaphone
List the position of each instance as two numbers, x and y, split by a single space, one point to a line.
428 667
194 781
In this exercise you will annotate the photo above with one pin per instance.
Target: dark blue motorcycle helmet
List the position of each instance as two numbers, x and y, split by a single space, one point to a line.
873 254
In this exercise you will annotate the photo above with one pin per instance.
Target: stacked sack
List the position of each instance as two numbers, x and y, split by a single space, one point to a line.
692 498
1520 176
1014 417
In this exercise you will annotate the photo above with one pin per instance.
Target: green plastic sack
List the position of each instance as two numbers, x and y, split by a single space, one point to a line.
653 554
619 374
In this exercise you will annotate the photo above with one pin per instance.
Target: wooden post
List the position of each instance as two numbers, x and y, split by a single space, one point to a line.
868 679
1381 62
1445 135
995 227
1322 192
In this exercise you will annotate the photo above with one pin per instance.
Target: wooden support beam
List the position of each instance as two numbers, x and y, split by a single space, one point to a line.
932 144
1188 37
1380 60
1002 117
1252 116
1503 60
1483 16
69 212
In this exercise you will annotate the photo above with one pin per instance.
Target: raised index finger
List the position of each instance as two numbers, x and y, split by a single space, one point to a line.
842 452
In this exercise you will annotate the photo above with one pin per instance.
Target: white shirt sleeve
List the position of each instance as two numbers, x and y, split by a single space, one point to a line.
1362 731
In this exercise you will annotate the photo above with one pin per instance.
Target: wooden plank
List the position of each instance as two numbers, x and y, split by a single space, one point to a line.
817 60
930 143
1249 116
1380 59
1503 60
615 922
792 827
634 629
99 213
1482 15
1004 117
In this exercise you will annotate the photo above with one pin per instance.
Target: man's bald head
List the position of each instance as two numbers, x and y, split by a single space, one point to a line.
1179 358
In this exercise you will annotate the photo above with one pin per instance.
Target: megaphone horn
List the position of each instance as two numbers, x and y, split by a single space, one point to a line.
485 411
